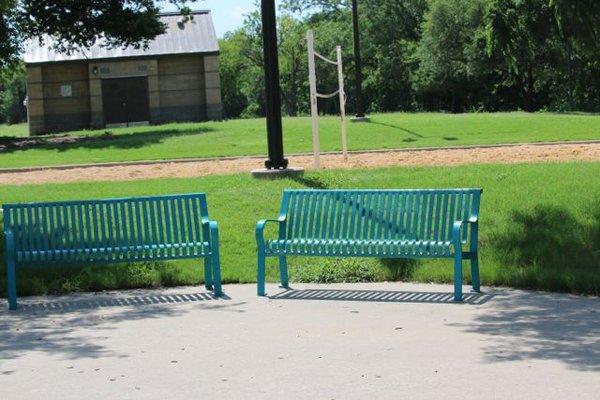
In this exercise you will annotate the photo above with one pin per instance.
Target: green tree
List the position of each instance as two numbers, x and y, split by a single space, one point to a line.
10 36
242 65
12 95
293 65
579 34
242 70
321 5
579 20
450 55
550 49
430 54
391 30
232 68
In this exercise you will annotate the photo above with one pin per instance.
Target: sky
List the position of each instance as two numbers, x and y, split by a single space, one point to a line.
227 14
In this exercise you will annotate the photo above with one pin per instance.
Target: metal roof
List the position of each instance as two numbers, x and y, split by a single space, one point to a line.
195 36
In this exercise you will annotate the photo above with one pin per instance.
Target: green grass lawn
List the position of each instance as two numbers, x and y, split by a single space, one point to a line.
17 130
538 229
247 137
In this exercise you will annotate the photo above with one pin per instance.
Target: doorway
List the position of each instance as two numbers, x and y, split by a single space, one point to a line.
125 100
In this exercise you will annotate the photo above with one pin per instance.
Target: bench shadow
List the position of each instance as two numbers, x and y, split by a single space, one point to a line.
73 328
381 296
105 301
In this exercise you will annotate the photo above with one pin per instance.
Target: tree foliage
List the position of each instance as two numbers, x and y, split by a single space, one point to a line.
455 55
321 5
548 50
452 61
10 36
391 32
12 95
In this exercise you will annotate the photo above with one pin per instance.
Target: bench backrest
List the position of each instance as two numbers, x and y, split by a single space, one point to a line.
132 227
377 214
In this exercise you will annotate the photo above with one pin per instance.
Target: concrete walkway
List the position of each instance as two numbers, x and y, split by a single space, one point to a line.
375 341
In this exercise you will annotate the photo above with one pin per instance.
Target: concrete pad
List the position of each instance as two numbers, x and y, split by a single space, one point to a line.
377 341
277 173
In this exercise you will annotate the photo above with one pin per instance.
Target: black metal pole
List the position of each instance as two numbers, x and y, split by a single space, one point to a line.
360 108
273 100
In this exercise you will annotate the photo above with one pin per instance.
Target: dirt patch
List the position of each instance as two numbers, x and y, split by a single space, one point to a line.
441 157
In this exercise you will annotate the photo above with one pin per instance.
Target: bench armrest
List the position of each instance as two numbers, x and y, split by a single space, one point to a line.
457 229
260 229
211 229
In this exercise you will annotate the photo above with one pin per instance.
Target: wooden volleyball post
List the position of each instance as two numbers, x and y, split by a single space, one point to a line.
315 95
342 96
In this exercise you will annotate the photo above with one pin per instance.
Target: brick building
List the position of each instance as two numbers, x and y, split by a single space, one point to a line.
175 79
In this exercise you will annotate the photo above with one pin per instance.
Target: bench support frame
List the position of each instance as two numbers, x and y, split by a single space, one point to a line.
11 271
215 259
458 257
210 235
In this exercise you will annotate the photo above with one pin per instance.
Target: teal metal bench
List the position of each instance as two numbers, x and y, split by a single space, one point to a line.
375 223
111 231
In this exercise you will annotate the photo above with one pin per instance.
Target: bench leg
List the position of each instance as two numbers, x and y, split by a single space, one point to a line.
11 277
11 272
458 276
216 273
283 272
475 273
215 259
208 275
261 271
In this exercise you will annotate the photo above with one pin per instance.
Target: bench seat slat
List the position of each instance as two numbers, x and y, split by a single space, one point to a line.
383 248
203 247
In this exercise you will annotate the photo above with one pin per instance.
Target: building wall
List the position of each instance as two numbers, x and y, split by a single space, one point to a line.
58 97
35 101
182 88
68 96
212 78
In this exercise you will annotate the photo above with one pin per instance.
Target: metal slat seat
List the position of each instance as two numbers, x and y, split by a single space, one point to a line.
104 254
111 231
412 223
358 248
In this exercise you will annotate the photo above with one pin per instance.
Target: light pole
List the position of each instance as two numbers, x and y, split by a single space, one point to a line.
276 159
360 107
